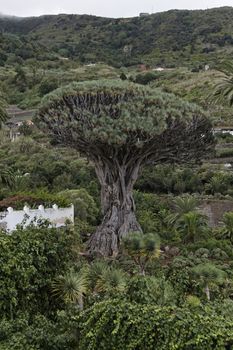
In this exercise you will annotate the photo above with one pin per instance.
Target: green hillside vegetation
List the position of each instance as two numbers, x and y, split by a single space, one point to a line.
169 38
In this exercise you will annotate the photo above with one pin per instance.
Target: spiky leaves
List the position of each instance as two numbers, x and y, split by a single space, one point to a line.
71 287
123 121
142 248
7 176
192 226
105 279
224 87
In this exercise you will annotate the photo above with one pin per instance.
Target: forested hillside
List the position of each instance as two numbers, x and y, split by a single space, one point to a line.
169 38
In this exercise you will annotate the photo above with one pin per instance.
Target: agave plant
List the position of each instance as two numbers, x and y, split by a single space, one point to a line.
71 287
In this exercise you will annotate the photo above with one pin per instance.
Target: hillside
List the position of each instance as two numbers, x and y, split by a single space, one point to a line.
168 38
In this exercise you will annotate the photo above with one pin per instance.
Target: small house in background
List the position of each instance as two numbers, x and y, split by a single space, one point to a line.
58 217
17 117
11 130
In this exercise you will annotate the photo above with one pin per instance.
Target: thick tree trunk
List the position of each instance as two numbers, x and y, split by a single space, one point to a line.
118 210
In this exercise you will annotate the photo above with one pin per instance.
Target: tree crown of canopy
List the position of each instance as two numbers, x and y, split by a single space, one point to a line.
108 117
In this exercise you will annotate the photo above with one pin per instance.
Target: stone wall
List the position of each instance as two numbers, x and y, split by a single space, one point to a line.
214 209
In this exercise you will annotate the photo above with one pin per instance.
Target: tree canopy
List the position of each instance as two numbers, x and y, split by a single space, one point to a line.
109 119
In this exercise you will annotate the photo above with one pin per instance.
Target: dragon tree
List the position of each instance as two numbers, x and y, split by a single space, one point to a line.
121 127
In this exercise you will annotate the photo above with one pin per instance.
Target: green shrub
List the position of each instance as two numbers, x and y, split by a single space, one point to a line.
117 324
145 78
30 259
224 152
85 208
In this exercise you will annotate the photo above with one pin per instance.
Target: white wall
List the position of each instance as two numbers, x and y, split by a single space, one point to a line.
57 216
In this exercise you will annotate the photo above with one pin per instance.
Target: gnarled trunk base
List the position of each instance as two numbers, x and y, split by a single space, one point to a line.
117 204
116 224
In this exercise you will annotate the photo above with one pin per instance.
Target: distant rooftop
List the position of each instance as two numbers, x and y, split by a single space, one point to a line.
17 114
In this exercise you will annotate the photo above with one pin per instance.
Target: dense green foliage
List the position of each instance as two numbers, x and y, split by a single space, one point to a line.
123 325
30 260
162 38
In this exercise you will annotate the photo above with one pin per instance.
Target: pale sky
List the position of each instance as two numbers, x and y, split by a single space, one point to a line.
106 8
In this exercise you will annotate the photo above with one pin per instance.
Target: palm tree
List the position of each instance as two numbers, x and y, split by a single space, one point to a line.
208 274
185 204
224 87
192 225
3 113
71 287
182 205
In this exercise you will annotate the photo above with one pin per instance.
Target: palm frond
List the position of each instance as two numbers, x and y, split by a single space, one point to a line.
223 91
7 177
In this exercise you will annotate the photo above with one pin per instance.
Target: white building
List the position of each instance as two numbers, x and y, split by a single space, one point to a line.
58 217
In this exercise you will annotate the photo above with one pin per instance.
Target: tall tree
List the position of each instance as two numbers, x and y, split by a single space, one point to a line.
121 127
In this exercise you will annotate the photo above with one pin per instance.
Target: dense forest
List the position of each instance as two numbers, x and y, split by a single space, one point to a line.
144 155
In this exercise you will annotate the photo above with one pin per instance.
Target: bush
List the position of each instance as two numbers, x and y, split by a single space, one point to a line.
85 208
117 324
30 259
225 153
47 85
145 78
